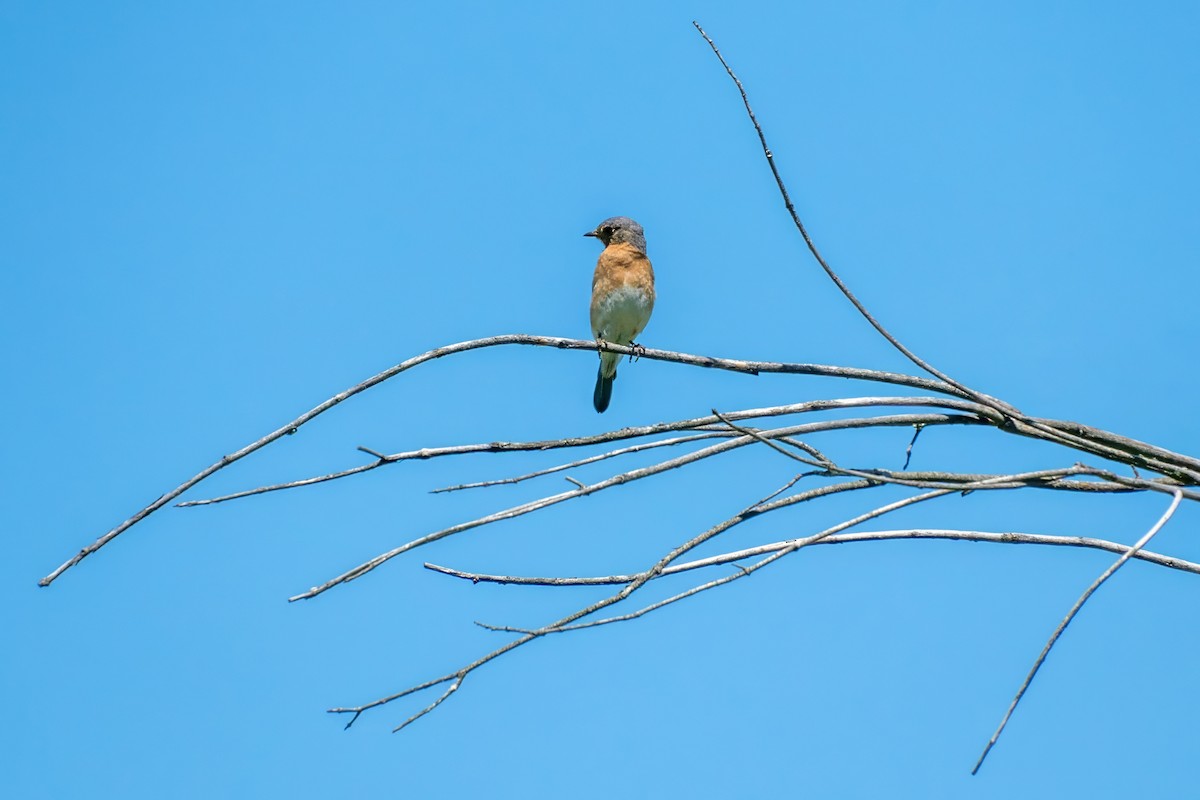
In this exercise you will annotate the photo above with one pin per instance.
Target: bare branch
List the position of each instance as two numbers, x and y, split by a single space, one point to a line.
908 450
748 367
1056 431
1070 434
1163 486
1110 446
744 571
818 459
696 423
793 546
449 691
1135 449
1181 468
1062 626
637 448
950 480
298 483
785 487
628 477
1008 537
358 710
812 248
567 623
632 586
956 404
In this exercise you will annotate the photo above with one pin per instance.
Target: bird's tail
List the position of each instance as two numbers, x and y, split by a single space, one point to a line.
603 392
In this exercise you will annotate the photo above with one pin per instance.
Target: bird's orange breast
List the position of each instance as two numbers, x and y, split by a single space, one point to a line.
622 265
622 293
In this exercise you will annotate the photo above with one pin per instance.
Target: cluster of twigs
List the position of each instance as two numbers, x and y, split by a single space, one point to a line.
945 402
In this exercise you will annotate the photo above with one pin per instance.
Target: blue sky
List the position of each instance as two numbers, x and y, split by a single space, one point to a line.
216 216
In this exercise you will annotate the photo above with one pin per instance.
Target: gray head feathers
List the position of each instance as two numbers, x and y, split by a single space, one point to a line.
615 230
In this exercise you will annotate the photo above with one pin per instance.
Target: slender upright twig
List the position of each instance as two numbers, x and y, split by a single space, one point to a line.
1062 626
812 248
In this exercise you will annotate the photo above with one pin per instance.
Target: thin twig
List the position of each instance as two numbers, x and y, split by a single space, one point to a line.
818 458
1070 434
1009 537
908 450
1163 486
1131 446
1062 626
784 488
887 476
694 424
747 571
790 548
530 636
639 580
1118 448
623 478
812 248
633 585
449 691
1180 468
637 448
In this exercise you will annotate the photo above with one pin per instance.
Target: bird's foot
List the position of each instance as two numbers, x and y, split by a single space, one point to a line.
637 351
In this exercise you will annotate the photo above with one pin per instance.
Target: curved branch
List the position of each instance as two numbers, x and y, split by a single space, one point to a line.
582 462
987 400
289 428
1062 626
997 482
1070 434
628 477
1124 450
634 432
1165 459
633 585
567 623
1010 537
528 636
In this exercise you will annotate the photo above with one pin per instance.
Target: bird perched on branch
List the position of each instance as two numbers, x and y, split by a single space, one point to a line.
622 296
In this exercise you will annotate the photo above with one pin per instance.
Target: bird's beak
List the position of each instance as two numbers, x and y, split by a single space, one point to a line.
592 233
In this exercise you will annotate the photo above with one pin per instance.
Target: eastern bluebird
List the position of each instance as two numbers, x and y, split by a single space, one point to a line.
622 295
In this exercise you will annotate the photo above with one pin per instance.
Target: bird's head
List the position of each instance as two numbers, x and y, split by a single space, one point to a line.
616 230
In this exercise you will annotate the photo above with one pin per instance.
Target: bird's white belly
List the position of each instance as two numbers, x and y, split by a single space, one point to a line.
623 314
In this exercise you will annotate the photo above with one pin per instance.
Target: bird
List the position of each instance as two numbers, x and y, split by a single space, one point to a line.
622 296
